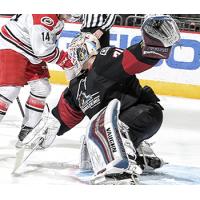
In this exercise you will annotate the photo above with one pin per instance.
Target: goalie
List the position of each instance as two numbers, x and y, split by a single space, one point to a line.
123 113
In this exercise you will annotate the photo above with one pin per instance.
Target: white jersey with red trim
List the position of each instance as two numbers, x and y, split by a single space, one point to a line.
34 36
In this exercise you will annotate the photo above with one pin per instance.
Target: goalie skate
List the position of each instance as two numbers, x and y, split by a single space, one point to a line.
115 179
147 159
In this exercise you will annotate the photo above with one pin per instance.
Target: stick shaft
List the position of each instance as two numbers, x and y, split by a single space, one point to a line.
20 106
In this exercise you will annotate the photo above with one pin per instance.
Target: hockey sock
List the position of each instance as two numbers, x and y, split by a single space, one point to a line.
33 110
4 104
7 95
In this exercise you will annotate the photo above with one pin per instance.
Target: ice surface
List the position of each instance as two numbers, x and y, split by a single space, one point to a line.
177 142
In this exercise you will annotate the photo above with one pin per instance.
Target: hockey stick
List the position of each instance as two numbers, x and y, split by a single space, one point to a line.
20 159
20 106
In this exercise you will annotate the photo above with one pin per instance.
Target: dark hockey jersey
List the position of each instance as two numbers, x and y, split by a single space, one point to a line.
112 76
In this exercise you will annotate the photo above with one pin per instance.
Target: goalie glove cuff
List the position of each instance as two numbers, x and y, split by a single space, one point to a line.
64 61
156 52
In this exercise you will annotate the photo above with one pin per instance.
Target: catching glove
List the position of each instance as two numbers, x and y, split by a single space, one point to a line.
159 33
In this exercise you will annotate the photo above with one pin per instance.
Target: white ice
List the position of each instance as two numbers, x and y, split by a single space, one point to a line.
177 142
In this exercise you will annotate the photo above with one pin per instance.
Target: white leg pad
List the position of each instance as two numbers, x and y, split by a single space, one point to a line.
104 142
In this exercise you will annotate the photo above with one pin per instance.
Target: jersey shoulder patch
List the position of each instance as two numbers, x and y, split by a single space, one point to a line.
47 20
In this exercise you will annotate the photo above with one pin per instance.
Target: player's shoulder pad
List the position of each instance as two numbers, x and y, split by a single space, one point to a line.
47 20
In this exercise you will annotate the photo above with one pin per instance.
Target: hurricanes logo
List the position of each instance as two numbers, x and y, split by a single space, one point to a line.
47 21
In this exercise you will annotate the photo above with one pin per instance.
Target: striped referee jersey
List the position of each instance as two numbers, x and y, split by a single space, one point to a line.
102 21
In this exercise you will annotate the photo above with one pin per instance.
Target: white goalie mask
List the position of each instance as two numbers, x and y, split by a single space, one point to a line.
82 47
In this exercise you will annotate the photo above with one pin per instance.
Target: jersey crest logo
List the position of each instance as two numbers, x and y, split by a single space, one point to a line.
86 101
47 21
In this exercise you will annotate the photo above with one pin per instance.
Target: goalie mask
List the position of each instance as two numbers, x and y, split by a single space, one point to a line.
82 47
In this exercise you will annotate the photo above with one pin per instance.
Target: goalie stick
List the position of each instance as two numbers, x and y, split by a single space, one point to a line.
35 141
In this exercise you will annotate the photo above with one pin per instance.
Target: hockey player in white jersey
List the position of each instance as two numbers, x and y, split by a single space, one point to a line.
27 43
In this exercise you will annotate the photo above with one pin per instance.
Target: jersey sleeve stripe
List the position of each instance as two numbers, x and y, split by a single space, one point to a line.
132 65
68 114
11 34
5 34
18 46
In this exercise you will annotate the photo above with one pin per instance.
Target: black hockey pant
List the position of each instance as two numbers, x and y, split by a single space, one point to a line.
144 120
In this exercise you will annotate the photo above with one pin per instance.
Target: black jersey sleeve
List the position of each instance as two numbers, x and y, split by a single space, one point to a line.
117 64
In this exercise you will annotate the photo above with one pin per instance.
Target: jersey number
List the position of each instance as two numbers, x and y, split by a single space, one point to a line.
117 52
45 36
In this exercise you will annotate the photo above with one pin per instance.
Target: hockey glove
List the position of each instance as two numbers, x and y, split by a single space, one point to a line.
64 61
160 33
